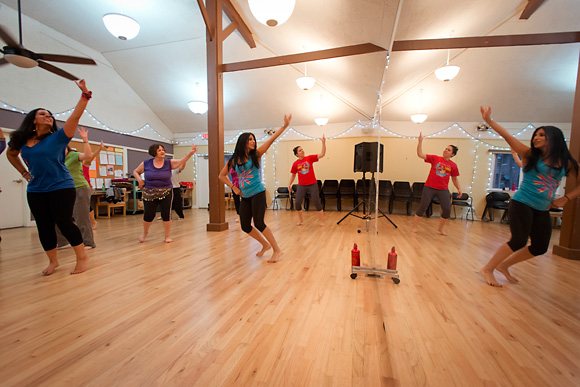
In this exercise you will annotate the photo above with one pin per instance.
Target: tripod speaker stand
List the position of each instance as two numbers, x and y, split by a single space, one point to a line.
365 160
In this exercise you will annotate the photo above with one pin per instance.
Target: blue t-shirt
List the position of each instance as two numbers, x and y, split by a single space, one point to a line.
45 162
539 187
249 179
157 177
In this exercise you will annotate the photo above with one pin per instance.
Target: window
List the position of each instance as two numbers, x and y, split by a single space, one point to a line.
505 172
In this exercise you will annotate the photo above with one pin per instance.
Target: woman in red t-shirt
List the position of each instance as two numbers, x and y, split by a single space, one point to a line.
306 180
437 183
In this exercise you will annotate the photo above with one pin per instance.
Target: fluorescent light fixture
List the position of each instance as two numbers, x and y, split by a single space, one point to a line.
418 118
305 83
447 73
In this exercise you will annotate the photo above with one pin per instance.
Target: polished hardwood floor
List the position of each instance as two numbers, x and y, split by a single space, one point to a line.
206 311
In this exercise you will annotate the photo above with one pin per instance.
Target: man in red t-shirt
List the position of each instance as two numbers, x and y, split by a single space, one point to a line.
437 183
306 180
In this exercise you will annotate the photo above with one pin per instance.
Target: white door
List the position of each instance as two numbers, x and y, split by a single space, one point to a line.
14 210
202 187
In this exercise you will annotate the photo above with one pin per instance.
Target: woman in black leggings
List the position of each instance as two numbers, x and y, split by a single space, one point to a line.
246 162
157 187
51 189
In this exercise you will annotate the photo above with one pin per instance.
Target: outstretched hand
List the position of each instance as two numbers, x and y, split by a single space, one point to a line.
486 113
84 133
421 137
287 119
193 148
323 139
103 147
82 85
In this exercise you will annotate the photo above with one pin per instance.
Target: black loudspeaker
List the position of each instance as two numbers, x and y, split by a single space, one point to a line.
365 157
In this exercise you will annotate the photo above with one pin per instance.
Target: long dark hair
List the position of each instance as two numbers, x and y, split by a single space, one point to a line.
240 151
27 130
557 153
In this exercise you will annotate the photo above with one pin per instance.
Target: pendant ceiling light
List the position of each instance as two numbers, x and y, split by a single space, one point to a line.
305 82
121 26
272 12
419 118
321 121
198 107
447 73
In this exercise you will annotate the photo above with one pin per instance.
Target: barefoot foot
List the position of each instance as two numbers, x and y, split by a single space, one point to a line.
414 230
168 240
275 256
299 224
489 278
442 232
81 265
506 273
50 269
142 238
263 251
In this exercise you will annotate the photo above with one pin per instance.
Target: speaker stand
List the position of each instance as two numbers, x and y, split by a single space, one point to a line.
368 217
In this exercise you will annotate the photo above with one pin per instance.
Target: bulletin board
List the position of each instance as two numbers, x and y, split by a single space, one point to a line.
108 165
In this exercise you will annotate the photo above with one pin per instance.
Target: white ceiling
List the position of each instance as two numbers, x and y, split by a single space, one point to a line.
166 60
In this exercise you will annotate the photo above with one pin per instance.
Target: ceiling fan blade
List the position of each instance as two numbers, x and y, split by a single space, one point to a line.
57 71
66 59
5 36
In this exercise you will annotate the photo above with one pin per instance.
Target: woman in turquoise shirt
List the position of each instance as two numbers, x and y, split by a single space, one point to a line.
545 161
246 162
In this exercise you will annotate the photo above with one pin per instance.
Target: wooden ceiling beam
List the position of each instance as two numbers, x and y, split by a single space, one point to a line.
205 16
487 41
531 7
242 27
330 53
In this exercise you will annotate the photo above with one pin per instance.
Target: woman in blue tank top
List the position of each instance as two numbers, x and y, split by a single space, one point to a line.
545 162
246 163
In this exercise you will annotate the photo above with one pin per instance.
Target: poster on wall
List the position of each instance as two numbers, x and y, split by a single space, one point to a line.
110 170
103 158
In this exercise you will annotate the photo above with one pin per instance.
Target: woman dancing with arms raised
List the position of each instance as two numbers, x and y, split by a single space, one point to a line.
246 162
545 161
51 189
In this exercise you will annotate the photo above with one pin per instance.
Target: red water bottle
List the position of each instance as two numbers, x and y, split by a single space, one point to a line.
392 260
355 256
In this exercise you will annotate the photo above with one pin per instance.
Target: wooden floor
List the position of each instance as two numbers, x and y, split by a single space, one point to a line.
205 311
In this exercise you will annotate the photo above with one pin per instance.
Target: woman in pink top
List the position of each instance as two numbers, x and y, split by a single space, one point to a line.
86 165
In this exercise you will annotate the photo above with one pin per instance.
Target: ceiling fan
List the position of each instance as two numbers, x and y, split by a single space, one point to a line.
16 54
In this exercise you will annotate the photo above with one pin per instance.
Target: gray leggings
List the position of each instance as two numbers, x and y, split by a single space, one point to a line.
301 191
444 201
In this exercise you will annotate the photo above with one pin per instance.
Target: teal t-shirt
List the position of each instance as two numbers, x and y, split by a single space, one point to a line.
538 188
249 179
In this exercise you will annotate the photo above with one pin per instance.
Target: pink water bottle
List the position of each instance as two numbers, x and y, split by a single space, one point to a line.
392 260
355 256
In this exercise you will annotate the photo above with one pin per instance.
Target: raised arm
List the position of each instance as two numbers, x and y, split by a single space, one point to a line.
95 154
181 162
137 174
87 151
70 126
323 150
517 159
262 149
224 178
420 147
516 145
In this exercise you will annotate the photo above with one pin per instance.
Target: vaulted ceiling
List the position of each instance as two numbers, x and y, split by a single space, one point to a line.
167 59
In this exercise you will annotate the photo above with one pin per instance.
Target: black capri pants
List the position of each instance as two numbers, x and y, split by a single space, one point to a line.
54 208
253 207
301 191
444 201
150 208
525 222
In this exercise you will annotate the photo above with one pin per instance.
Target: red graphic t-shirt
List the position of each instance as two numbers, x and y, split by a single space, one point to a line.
305 170
440 171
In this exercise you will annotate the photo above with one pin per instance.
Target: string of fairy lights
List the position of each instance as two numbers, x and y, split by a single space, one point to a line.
368 125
